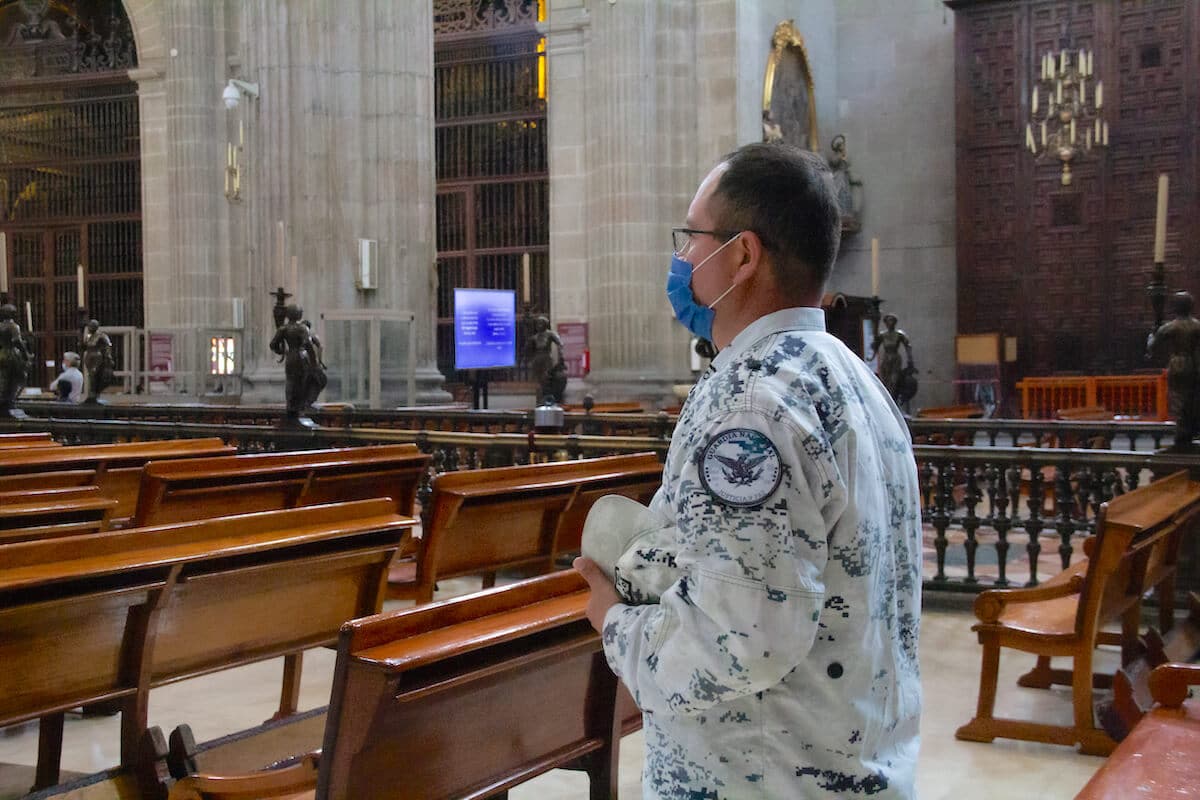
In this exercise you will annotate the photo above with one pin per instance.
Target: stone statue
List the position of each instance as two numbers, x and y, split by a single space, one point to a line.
1179 341
546 364
892 371
843 181
14 361
320 378
771 130
303 373
98 362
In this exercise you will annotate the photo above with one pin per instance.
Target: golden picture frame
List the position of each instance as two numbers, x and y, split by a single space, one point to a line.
797 123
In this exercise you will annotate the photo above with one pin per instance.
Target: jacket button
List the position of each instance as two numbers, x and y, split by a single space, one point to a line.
834 670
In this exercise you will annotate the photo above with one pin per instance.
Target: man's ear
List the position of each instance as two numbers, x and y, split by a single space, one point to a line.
751 257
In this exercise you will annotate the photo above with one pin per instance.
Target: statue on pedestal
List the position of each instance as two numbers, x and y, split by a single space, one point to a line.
303 372
14 361
98 362
546 363
899 379
1179 341
843 181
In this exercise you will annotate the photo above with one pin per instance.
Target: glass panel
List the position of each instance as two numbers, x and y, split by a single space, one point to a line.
347 361
393 362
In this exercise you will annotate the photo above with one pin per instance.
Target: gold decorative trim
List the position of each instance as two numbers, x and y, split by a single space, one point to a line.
786 36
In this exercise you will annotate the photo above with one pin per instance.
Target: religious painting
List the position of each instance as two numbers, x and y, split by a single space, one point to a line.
789 111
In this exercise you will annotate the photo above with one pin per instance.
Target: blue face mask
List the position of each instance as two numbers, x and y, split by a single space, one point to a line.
696 318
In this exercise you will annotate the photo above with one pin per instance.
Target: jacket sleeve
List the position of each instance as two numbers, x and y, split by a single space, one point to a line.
746 606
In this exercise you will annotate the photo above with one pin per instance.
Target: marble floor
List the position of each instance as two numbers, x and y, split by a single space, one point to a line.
219 704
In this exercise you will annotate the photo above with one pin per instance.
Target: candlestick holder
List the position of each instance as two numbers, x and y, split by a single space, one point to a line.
279 310
1157 291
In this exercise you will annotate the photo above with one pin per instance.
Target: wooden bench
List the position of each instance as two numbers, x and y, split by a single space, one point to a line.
177 491
1137 537
42 517
107 616
115 468
10 441
484 520
1160 759
463 698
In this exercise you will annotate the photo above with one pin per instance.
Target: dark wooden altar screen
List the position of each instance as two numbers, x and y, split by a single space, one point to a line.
492 178
1064 268
70 173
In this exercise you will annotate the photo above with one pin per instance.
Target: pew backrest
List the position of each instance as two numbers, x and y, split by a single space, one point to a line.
174 491
43 517
115 468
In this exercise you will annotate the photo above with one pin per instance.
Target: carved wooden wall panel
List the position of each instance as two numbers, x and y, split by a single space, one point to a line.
1064 268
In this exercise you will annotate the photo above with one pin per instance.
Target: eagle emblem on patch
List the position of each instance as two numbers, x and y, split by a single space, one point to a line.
741 467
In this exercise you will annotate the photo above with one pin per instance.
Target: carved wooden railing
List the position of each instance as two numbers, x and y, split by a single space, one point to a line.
996 498
1109 434
1143 396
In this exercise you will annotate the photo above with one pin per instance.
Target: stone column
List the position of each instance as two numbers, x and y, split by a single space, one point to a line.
640 164
340 148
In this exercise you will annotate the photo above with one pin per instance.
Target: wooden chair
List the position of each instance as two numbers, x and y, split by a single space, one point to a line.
484 520
1065 617
108 616
182 490
463 698
115 468
1160 759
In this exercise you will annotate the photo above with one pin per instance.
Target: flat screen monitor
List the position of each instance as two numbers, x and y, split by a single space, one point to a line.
485 328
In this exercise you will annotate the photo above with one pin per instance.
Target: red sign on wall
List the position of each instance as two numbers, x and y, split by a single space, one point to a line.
574 337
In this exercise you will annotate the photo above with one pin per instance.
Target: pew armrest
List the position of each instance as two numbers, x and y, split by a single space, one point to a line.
288 782
1169 683
989 605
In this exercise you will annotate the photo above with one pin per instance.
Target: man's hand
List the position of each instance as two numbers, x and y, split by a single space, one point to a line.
603 596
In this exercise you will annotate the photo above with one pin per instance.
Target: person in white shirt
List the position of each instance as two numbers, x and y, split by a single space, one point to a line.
69 383
771 637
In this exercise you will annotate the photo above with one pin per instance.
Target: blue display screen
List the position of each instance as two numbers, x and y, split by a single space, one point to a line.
485 328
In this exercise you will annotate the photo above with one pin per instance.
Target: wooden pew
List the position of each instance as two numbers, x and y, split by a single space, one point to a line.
21 440
485 520
1160 759
1136 534
177 491
62 493
47 518
463 698
107 616
115 468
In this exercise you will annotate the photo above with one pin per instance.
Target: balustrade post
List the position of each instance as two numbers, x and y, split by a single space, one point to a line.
971 521
941 517
1064 502
1033 525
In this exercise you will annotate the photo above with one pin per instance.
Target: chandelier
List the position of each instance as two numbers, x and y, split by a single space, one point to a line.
1066 125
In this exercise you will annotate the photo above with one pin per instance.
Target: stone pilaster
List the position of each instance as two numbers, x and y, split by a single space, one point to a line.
641 169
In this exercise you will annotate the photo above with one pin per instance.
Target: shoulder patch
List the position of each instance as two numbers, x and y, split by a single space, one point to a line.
741 467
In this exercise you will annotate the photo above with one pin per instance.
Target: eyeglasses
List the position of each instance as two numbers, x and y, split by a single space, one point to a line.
682 237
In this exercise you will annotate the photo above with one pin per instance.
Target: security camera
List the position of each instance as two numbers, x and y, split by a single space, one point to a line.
235 89
231 96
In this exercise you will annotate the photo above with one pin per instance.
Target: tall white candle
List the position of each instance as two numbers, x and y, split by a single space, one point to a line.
28 316
1160 220
1089 67
525 290
3 262
1034 101
1043 134
1099 95
79 286
1072 130
1063 66
1105 129
874 266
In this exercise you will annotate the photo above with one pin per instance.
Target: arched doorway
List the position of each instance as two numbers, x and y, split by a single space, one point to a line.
70 171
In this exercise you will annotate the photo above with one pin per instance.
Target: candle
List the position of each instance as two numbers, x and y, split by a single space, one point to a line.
1034 100
1063 58
525 277
1097 131
1082 60
1060 92
1029 137
1043 134
1099 95
28 316
1088 139
1105 134
1072 130
1089 68
241 133
79 286
3 262
874 266
1083 92
229 154
1160 221
280 255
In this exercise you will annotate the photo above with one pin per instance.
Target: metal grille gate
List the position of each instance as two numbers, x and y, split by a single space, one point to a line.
70 171
492 176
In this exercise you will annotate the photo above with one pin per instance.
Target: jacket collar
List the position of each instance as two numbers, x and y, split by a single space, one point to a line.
788 319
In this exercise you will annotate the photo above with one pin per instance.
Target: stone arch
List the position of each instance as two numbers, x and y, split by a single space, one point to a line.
147 19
